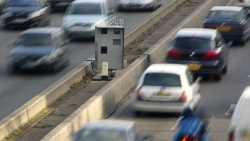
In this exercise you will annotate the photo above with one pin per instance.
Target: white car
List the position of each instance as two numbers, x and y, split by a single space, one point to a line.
166 88
110 130
245 4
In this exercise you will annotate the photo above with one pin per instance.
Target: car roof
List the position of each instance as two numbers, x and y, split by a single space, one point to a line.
230 8
196 32
41 30
167 68
117 124
87 1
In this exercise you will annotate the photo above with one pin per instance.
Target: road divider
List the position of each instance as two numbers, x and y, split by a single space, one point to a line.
25 113
96 107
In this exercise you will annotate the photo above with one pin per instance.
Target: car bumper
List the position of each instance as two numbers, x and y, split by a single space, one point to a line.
80 34
25 23
135 7
207 68
234 36
165 107
34 65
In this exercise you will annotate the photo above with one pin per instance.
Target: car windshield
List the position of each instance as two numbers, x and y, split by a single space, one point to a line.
84 9
21 3
101 134
193 43
33 40
162 79
217 14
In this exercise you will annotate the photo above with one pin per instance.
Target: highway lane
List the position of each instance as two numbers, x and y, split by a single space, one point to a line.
15 90
216 99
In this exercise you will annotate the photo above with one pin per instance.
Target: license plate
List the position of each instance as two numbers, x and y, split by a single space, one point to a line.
161 94
223 28
245 136
194 67
19 20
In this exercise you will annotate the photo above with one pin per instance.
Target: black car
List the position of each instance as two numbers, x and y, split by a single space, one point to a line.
231 21
203 50
41 49
26 13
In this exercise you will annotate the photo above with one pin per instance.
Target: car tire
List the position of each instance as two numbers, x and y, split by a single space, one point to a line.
218 76
224 70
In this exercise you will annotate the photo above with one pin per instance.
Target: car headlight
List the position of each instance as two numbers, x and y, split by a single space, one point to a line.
68 23
6 15
35 14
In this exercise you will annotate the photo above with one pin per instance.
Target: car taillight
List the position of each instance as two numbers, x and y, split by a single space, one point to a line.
174 53
211 55
241 0
237 27
138 94
187 138
209 26
231 136
183 96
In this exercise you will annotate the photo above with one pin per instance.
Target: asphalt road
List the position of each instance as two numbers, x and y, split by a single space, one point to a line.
16 90
216 99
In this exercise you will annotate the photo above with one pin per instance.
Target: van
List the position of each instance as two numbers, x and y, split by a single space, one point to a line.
82 16
239 129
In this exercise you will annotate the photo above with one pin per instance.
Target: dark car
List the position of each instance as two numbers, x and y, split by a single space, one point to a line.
231 21
203 50
26 13
40 48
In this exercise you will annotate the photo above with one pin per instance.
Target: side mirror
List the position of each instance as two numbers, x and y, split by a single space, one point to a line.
169 42
229 43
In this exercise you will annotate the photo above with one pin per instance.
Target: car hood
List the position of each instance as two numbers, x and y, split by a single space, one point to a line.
19 9
83 18
32 51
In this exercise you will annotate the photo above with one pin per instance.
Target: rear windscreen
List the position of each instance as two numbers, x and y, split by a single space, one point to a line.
193 43
219 14
162 79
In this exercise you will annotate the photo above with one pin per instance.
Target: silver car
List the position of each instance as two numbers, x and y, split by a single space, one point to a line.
82 16
138 4
110 130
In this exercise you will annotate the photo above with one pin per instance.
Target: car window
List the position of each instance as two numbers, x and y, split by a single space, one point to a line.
162 79
33 40
22 3
95 134
223 14
193 43
84 9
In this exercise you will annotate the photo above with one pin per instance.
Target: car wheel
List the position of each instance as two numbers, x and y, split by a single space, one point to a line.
218 76
224 70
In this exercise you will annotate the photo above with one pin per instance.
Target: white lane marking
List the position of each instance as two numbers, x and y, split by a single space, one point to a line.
230 110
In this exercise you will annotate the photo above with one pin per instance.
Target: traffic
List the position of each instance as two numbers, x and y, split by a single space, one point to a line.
167 88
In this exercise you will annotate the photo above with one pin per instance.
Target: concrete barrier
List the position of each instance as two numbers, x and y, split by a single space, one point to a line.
48 96
114 91
42 100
